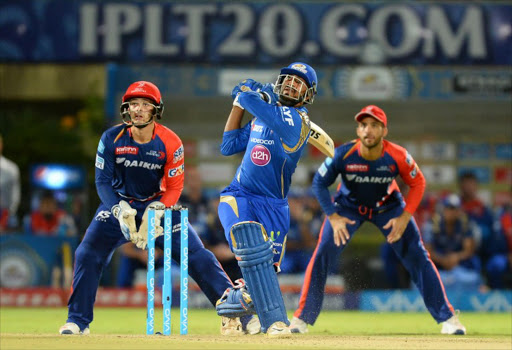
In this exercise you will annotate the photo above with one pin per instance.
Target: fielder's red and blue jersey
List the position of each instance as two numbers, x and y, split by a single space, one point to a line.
369 183
129 170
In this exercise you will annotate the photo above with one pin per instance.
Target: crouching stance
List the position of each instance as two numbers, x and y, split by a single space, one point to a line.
139 165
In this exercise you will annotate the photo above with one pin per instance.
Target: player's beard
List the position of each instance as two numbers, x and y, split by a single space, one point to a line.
376 142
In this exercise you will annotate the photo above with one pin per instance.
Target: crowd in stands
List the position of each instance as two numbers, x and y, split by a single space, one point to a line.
469 242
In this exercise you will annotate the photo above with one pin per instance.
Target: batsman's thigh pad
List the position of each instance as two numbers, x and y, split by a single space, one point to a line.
254 253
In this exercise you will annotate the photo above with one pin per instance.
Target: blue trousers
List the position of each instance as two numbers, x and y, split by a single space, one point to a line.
237 205
409 249
95 251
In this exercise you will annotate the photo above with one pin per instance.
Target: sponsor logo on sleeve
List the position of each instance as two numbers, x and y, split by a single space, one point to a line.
101 147
178 155
322 170
127 150
260 155
357 167
408 159
177 171
100 162
414 172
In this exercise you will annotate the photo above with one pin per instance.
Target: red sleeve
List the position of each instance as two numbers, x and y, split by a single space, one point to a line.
506 224
174 170
410 173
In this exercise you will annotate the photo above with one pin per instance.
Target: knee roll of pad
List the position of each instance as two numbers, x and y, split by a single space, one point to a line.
255 256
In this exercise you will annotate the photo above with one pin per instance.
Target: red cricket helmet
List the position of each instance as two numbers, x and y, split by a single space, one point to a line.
144 89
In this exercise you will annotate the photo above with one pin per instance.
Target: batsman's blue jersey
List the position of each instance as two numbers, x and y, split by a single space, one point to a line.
273 142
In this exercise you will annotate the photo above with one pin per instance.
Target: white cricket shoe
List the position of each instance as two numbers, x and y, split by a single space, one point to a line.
298 326
253 326
71 328
231 326
278 330
453 325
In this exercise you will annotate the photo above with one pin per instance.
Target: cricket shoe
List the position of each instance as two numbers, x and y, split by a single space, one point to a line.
298 326
253 326
71 328
453 325
278 330
231 326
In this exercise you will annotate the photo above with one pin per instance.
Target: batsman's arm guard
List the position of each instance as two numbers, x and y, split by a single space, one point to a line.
235 302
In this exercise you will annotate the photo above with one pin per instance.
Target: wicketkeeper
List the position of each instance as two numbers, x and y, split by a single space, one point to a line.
139 165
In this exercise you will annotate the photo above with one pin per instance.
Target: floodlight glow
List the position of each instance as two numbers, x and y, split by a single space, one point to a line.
55 179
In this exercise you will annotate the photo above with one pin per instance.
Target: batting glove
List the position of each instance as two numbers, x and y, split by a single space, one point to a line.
140 238
268 95
246 85
126 216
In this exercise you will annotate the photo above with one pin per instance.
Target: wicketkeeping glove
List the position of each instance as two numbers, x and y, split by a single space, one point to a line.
140 238
126 216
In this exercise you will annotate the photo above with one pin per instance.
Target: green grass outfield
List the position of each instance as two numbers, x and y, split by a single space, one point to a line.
124 328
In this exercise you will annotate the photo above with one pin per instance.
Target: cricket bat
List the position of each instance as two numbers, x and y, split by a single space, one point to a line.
321 140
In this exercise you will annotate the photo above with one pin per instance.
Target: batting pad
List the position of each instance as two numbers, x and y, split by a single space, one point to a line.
253 250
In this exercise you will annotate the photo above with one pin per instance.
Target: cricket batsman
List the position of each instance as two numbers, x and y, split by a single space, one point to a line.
139 165
254 208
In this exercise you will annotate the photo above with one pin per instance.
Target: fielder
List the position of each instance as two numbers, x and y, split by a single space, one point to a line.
254 208
139 164
368 167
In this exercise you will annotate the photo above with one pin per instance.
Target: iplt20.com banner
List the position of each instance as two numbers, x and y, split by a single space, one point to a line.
260 32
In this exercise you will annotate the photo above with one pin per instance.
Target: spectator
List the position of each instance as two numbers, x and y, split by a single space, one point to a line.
10 192
194 198
215 241
49 220
132 259
449 239
498 268
300 243
478 212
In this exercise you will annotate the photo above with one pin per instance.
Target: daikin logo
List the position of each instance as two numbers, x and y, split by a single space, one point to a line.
369 179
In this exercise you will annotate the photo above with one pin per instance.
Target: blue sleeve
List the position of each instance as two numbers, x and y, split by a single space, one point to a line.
325 177
235 141
284 121
105 160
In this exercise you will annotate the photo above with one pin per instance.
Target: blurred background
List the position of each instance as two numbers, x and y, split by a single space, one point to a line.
441 70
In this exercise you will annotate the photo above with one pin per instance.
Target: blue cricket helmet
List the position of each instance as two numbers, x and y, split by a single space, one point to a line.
303 71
